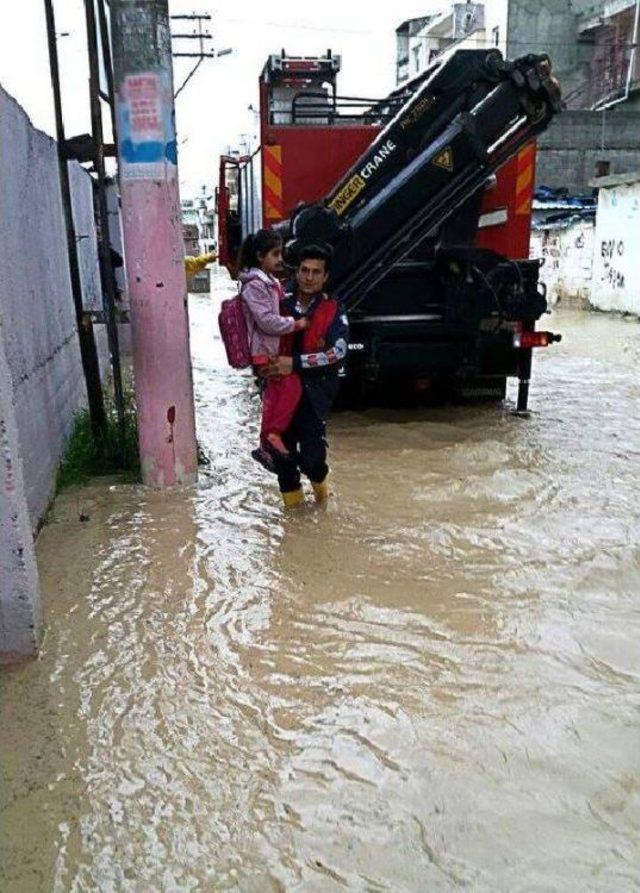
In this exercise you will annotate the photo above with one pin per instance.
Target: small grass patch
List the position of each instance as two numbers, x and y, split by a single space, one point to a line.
86 457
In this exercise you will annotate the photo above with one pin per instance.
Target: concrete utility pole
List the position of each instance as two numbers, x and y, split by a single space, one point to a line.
152 235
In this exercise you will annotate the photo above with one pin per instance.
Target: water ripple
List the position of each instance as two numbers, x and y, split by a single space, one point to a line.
432 685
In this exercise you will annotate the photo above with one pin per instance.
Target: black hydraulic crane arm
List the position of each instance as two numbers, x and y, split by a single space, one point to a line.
471 114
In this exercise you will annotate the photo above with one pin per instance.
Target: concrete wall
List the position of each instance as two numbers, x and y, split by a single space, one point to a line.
576 140
568 258
41 378
616 256
36 305
20 611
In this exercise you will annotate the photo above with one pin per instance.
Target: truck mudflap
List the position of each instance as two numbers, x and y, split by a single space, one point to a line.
525 340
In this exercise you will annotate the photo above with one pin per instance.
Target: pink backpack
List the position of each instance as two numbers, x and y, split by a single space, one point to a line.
234 332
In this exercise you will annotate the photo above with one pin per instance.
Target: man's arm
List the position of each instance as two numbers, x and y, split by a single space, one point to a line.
336 345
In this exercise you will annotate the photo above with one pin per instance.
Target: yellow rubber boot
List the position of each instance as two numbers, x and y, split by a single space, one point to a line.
321 491
293 498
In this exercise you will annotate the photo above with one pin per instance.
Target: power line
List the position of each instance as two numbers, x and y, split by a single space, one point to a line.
292 26
204 51
188 77
369 32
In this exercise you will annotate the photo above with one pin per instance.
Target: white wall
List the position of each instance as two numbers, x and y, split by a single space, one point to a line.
596 265
616 256
36 304
496 16
568 257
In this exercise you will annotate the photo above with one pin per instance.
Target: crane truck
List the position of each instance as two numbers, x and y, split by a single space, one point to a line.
424 197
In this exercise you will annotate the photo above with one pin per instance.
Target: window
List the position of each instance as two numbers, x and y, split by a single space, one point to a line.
495 36
416 57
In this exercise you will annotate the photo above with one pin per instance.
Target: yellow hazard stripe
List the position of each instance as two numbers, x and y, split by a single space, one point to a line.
526 155
272 212
273 182
524 179
275 152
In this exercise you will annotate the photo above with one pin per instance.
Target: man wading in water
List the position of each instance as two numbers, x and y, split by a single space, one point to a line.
316 354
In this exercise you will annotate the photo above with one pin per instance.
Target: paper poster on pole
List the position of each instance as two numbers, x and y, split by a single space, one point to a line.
146 127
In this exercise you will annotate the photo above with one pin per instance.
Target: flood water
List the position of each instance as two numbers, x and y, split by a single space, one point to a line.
432 684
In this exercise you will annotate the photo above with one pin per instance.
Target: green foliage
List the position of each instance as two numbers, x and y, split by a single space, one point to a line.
87 457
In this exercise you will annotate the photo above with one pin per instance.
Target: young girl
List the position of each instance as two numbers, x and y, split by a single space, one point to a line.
261 293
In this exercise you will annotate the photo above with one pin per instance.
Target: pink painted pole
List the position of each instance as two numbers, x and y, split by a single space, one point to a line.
152 237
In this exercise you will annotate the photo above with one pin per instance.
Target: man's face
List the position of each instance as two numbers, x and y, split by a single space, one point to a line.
312 276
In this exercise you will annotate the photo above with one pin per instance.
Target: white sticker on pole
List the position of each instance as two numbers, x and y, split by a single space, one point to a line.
146 129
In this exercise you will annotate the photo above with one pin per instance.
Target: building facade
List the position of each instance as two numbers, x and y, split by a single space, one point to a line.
593 44
200 213
461 25
191 239
611 31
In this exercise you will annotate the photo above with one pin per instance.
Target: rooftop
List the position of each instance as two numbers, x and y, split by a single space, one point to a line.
615 180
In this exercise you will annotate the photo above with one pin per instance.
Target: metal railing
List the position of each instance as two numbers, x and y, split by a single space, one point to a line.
319 108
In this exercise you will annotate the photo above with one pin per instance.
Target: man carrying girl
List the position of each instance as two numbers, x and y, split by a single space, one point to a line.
303 362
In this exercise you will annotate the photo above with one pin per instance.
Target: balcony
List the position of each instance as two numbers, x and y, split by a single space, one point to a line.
591 16
402 70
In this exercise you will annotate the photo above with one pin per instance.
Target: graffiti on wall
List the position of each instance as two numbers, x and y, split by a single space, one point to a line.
610 251
567 253
551 250
617 248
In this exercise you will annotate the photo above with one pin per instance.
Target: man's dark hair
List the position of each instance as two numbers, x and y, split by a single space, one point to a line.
316 252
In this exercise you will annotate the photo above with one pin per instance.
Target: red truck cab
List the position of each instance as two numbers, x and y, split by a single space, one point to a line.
310 135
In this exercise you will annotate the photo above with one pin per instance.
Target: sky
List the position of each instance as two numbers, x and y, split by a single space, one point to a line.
213 109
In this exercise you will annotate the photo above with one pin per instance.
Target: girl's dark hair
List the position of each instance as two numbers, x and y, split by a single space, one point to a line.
255 244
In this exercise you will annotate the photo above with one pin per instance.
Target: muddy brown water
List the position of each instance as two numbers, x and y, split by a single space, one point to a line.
433 684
